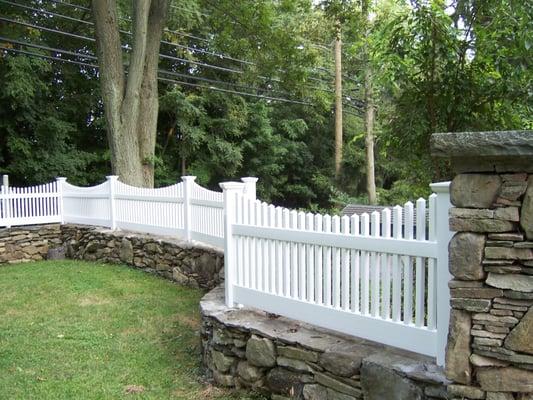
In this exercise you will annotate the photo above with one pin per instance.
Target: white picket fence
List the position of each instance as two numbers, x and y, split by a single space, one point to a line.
184 209
382 277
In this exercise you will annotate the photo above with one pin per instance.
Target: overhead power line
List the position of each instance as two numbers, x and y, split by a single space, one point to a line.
165 56
191 49
270 98
66 52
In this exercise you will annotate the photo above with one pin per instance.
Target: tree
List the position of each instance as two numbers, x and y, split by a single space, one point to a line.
369 107
130 96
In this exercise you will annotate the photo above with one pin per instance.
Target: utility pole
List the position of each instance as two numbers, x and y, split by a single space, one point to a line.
338 99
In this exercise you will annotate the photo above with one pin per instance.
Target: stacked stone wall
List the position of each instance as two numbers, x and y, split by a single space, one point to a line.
284 359
490 354
28 243
194 265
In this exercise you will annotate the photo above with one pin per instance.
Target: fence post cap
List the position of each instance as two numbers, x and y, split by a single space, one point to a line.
187 178
111 177
440 187
61 179
231 185
249 179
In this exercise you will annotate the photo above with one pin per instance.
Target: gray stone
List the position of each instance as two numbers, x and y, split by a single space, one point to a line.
335 384
476 213
499 396
473 305
455 284
126 251
506 151
334 395
380 383
474 190
458 351
509 254
222 362
482 361
481 225
284 382
526 215
507 236
314 392
261 352
466 255
57 253
248 372
471 392
223 380
505 380
521 337
293 364
476 293
507 214
340 363
298 354
436 391
179 277
518 283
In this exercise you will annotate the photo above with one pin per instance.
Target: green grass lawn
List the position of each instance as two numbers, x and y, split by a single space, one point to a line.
77 330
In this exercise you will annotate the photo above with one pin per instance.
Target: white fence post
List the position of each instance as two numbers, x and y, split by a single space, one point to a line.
187 195
6 203
231 191
112 212
60 204
442 190
250 187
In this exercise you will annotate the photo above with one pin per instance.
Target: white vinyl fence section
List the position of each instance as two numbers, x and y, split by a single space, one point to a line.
29 205
184 209
382 277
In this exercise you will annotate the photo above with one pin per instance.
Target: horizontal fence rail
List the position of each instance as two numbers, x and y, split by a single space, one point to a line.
381 276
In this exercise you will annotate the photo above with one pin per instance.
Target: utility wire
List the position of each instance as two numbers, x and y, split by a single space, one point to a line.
192 49
173 58
31 54
60 51
165 56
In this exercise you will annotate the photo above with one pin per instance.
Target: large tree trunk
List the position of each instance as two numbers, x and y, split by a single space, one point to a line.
369 112
338 101
130 104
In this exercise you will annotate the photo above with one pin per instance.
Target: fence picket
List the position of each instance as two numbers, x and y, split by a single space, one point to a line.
345 267
355 261
376 267
408 267
327 264
286 256
365 275
336 228
310 256
420 278
302 267
386 265
294 256
319 262
272 250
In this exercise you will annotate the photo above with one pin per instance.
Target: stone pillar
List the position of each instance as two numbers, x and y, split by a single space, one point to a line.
490 345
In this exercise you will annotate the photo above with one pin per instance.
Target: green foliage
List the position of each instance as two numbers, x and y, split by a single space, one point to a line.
437 66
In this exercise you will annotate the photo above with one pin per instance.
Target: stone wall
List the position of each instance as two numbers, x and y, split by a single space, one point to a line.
290 360
28 243
194 265
490 347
